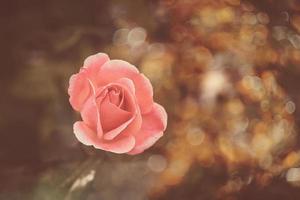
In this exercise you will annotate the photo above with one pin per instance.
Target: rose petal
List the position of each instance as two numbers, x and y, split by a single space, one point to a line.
80 84
153 125
112 116
144 92
94 63
116 69
121 145
134 126
110 135
91 116
156 119
86 136
125 82
79 90
150 137
83 133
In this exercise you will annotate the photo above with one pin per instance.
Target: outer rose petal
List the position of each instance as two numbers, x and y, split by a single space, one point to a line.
83 133
93 64
79 86
91 116
149 140
144 92
117 69
86 136
153 125
95 61
79 90
120 145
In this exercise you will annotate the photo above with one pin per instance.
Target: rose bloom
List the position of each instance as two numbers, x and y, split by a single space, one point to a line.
116 106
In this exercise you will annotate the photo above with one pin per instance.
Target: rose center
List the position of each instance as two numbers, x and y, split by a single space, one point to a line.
116 96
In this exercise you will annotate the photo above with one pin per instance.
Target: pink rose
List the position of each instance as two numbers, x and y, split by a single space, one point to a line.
116 105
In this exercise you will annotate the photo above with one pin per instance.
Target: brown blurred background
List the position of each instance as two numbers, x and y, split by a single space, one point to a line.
227 72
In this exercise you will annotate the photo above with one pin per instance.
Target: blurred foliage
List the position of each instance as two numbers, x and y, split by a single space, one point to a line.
227 72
